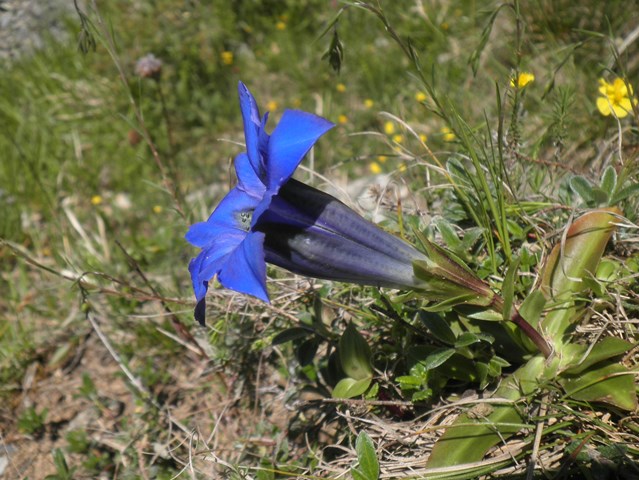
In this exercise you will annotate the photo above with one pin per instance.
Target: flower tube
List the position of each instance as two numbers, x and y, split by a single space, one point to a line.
312 233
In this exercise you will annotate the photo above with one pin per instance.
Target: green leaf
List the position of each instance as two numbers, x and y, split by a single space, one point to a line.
599 196
439 327
605 349
349 387
582 187
448 233
465 339
366 456
475 432
355 354
437 358
609 180
290 334
625 193
307 350
612 384
532 306
577 257
487 316
508 290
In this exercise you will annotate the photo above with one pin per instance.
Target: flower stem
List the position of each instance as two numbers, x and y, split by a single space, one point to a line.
526 328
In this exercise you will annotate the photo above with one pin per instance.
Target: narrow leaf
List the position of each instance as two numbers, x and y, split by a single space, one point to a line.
508 290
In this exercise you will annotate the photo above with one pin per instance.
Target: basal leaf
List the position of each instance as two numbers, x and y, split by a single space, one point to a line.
603 350
612 384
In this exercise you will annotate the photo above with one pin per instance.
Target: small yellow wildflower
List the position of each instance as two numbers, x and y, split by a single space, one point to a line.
389 128
280 25
402 167
616 98
420 97
423 138
368 103
271 105
96 199
157 209
447 134
340 87
375 168
342 119
523 79
382 158
46 252
398 138
444 26
227 57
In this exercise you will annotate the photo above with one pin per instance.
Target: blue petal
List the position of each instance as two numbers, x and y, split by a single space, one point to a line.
251 118
245 269
200 288
224 219
293 137
247 177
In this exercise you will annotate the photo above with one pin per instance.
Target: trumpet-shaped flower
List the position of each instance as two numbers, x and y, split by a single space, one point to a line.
616 98
269 217
231 249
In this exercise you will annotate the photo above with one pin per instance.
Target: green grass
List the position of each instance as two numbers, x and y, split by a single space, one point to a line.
93 223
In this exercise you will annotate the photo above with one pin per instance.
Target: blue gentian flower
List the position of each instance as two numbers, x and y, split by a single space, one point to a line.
232 249
269 217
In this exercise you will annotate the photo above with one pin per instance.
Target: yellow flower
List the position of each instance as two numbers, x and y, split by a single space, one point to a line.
374 168
227 57
340 87
398 138
382 158
523 79
420 97
389 128
342 119
280 25
96 199
617 98
271 105
423 138
368 103
444 26
402 167
157 209
447 134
